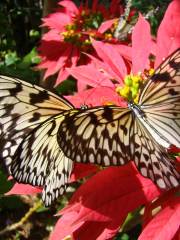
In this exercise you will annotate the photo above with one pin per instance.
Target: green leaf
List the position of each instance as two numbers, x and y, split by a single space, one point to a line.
29 59
123 236
5 184
67 87
11 58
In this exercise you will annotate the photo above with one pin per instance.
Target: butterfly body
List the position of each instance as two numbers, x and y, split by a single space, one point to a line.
42 134
136 109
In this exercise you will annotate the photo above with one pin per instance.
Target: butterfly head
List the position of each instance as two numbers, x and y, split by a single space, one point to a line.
136 109
84 107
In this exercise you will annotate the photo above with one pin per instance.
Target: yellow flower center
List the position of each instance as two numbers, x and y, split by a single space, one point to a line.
132 85
84 26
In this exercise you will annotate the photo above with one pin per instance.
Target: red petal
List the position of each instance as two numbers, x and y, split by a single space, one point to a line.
51 50
177 235
63 228
168 37
112 58
81 170
160 202
141 45
96 97
165 224
70 8
56 56
104 201
56 21
20 188
90 75
125 51
62 75
106 25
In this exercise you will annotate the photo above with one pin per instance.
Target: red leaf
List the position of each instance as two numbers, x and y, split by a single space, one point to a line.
70 8
141 45
96 97
90 75
20 188
56 21
101 204
168 37
106 25
63 227
82 170
111 56
165 224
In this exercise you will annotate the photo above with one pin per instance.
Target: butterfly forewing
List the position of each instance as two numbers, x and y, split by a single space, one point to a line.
23 107
160 99
164 86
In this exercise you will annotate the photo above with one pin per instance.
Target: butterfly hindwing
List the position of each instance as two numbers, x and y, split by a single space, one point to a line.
166 120
99 135
58 178
39 161
152 160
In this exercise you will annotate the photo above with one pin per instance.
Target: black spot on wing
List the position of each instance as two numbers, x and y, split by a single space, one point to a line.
174 65
137 154
124 129
172 92
108 114
8 108
15 90
39 98
112 124
146 157
53 125
161 77
36 116
136 145
93 118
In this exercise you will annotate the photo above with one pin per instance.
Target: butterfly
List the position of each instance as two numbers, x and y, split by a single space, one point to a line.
42 134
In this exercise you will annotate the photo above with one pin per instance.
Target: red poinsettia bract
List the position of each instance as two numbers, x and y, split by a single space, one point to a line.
100 206
69 34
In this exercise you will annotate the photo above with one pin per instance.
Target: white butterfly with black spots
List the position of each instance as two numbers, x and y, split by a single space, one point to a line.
42 134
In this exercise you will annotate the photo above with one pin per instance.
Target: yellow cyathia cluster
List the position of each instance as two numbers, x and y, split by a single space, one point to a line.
132 85
130 90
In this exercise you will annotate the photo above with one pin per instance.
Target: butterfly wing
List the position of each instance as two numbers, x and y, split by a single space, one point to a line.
23 106
160 99
152 160
114 136
39 161
101 135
